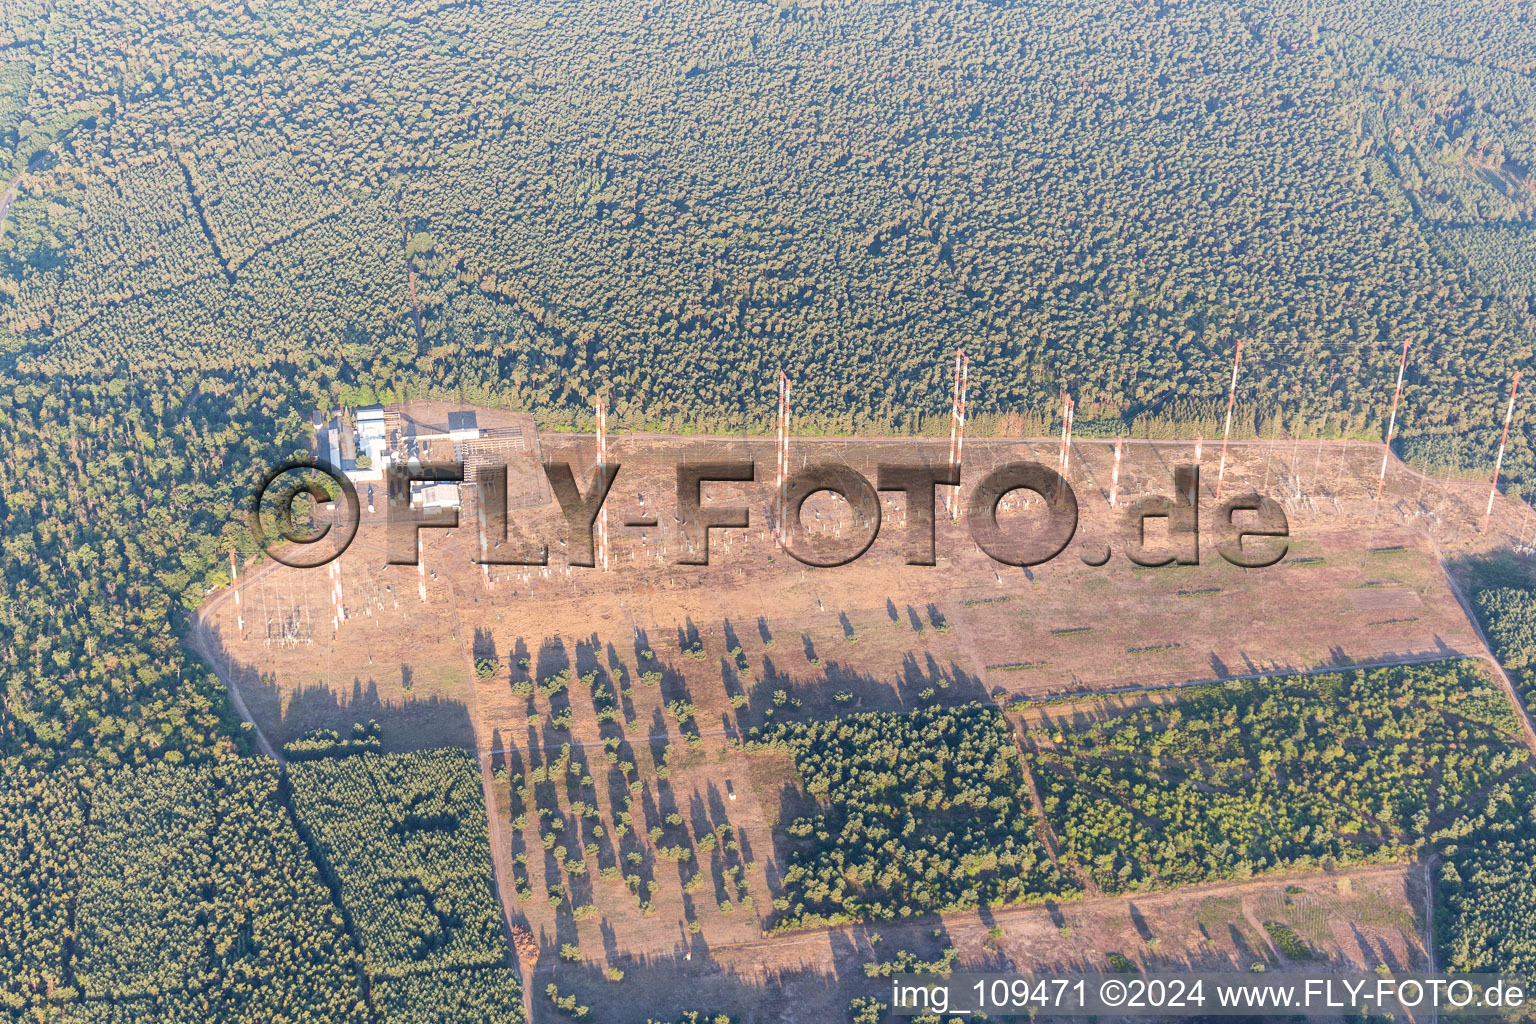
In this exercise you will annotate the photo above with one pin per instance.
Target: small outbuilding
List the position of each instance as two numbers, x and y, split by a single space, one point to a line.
462 426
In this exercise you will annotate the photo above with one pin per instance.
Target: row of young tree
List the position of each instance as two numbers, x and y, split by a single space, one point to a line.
610 813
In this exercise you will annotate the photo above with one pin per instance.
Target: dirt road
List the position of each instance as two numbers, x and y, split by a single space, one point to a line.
203 642
14 188
9 198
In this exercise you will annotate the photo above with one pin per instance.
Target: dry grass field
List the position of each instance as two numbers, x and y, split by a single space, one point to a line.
636 833
1351 921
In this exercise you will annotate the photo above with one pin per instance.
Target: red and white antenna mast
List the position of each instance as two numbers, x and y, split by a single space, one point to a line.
1498 464
602 461
781 472
330 570
1066 447
337 607
1061 443
1114 479
1381 481
957 425
234 579
485 564
1194 492
1226 434
421 569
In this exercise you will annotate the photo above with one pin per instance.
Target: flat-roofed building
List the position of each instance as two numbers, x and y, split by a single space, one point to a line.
428 496
462 426
371 446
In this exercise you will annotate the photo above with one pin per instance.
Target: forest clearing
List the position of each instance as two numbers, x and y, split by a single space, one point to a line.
622 713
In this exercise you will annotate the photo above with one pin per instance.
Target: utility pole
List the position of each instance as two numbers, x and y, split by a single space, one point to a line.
339 615
1071 425
1061 442
421 569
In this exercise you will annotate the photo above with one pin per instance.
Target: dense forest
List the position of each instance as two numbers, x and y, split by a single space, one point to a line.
924 813
1508 615
166 892
1487 884
1284 771
529 204
216 217
180 894
222 215
931 810
414 871
1487 872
